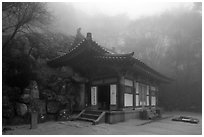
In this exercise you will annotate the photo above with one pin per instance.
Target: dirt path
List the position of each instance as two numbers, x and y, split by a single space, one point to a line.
160 127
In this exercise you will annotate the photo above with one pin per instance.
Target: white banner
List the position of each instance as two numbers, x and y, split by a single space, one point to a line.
93 95
113 92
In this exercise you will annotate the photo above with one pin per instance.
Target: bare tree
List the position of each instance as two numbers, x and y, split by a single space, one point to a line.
22 17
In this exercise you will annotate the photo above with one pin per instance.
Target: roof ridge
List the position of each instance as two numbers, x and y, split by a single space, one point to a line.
103 48
70 50
120 54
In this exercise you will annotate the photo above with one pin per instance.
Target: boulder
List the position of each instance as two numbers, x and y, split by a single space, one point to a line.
14 94
63 115
62 99
25 98
7 108
5 101
17 120
63 89
48 94
51 117
42 118
34 93
26 91
21 109
5 89
41 107
4 121
8 112
53 107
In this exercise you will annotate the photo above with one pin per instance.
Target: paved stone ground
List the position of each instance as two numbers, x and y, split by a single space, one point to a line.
131 127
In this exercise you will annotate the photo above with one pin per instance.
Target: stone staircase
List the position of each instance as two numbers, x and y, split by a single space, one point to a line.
94 116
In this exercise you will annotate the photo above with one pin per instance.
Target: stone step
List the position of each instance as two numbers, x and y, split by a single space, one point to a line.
91 116
86 119
93 112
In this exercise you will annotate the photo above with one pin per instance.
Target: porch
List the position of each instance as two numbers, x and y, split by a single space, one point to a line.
112 117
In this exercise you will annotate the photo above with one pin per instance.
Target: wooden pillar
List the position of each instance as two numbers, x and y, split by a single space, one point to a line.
150 96
157 95
134 98
87 95
121 93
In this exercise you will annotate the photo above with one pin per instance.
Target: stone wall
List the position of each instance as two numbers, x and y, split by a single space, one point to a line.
56 98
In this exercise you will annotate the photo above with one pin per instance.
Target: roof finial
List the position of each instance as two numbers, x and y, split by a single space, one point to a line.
89 36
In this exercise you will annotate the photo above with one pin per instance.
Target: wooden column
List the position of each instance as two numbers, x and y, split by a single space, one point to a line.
88 95
121 93
134 98
157 95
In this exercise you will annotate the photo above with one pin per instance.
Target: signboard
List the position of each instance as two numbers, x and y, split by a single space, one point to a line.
153 101
113 91
93 95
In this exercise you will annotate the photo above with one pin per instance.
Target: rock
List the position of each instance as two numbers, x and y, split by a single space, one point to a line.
21 109
14 94
62 99
63 115
5 89
25 98
48 94
41 107
42 118
27 118
17 120
8 112
34 93
53 107
37 105
5 101
7 108
4 121
51 117
26 91
5 129
63 89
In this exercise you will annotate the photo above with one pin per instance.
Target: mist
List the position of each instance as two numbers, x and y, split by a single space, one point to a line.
167 37
110 18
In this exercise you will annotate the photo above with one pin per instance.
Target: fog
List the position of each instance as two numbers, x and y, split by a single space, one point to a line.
110 18
165 36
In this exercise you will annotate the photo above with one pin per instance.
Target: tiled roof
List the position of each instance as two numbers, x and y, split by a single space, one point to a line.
101 54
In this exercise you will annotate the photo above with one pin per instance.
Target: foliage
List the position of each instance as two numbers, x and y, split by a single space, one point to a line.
171 43
22 17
